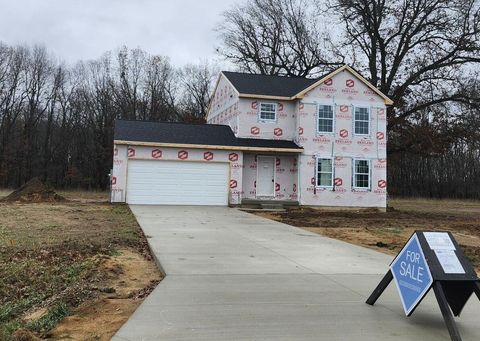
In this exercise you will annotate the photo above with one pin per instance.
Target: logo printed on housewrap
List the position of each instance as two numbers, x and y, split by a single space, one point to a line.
254 105
368 92
328 82
344 108
382 183
312 181
255 130
183 155
294 187
343 133
233 157
321 139
380 164
381 114
156 153
280 106
114 180
301 106
340 162
380 135
300 131
277 187
365 142
233 183
130 152
338 183
115 151
208 156
277 162
278 132
350 83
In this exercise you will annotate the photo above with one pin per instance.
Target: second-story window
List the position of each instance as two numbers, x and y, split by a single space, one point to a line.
268 111
325 119
362 121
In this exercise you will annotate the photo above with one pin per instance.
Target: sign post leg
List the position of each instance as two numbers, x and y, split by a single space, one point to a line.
380 288
476 288
447 314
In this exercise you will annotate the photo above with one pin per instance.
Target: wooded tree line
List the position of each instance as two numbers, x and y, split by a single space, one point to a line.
56 120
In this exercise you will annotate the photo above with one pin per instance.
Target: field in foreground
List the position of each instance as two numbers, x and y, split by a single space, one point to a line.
70 271
388 231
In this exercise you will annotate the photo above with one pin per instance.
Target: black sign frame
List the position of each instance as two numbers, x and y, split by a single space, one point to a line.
452 291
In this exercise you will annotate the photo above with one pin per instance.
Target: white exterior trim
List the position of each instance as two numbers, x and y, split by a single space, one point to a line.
332 160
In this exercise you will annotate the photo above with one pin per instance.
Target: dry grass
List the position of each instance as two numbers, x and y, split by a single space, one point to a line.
55 257
86 196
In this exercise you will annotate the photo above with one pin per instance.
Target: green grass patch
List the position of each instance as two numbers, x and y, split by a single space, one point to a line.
7 329
16 308
50 319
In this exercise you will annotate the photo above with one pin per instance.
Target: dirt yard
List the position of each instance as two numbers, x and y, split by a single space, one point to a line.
74 270
388 231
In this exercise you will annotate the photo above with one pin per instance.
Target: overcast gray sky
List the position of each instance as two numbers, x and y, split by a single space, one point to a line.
84 29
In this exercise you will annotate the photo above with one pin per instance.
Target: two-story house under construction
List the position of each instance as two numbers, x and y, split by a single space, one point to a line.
267 138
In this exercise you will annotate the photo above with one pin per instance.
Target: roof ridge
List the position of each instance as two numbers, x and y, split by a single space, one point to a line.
171 122
264 75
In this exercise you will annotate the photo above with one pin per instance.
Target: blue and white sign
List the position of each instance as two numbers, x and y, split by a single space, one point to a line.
412 275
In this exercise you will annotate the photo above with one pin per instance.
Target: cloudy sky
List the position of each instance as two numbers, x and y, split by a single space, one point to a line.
84 29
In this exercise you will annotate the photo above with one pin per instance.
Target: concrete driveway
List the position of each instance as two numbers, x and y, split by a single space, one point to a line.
235 276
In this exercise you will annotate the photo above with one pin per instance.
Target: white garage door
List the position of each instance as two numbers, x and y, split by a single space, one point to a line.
177 183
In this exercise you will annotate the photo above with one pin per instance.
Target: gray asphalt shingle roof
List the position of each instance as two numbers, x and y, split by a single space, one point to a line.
188 133
254 84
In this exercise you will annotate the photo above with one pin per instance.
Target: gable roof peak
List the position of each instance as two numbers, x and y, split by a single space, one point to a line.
287 87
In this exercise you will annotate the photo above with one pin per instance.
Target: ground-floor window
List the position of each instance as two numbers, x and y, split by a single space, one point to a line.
324 172
361 174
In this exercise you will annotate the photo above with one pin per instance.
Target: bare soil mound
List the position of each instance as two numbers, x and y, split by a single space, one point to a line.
34 191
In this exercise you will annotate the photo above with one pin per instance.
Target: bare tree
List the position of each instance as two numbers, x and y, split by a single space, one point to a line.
160 89
197 84
276 37
418 53
12 98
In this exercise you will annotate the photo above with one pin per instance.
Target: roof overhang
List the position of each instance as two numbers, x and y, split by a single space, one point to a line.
204 146
280 98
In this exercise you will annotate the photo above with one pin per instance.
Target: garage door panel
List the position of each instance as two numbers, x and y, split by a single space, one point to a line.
177 183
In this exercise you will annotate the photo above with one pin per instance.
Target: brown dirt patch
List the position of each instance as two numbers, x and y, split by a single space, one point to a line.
388 231
98 319
34 191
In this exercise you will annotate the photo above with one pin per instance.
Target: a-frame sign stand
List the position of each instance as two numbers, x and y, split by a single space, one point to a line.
432 259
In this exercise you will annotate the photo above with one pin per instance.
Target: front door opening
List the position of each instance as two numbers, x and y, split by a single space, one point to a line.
265 176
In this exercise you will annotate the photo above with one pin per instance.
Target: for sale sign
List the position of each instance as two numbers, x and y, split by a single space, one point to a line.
432 259
412 274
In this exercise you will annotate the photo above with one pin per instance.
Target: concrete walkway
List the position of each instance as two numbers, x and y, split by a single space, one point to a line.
235 276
